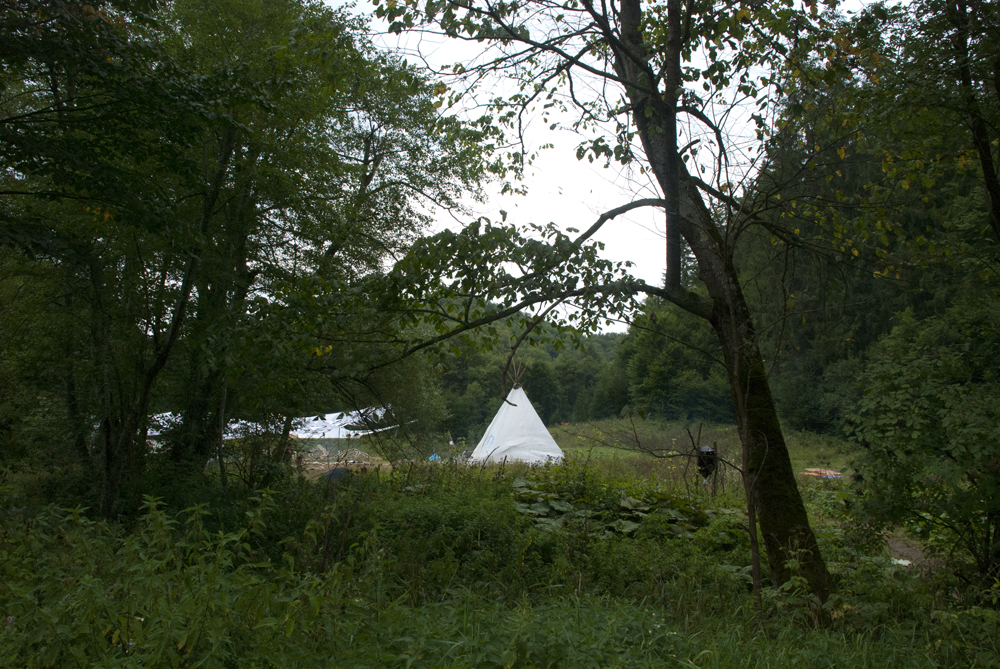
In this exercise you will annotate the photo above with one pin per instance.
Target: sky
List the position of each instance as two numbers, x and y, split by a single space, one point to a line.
573 194
566 191
560 189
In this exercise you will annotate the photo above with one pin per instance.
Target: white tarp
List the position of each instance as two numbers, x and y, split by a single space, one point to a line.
339 425
333 426
517 434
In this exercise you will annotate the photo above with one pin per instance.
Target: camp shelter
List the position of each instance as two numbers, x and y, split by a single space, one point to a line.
340 425
517 434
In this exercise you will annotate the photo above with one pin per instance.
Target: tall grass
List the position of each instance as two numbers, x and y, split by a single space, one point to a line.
591 563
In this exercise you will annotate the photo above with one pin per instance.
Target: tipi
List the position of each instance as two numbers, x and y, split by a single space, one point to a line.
517 433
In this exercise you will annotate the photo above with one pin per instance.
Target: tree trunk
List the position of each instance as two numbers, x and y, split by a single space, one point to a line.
222 288
771 484
775 494
120 435
958 15
198 432
283 453
77 422
222 433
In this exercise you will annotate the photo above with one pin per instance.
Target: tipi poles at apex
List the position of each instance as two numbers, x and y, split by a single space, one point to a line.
510 365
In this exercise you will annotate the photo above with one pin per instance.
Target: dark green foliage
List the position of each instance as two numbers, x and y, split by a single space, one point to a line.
607 397
544 390
113 119
170 593
435 566
434 539
579 498
564 382
191 193
883 169
674 366
663 367
928 427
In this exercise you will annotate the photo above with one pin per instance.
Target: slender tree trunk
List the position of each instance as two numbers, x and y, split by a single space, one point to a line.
752 529
222 432
76 420
110 433
222 288
283 453
770 480
958 14
119 463
199 432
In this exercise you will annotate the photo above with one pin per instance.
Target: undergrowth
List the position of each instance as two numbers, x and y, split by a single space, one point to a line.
442 566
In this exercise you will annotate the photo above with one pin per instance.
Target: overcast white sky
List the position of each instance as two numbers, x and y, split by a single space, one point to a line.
573 194
562 189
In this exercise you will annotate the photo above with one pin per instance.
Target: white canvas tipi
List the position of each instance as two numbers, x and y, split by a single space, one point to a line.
517 433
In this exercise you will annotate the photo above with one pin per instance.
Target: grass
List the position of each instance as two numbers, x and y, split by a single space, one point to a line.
612 559
651 448
817 450
662 449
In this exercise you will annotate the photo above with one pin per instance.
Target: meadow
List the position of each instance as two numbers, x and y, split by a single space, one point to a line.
611 559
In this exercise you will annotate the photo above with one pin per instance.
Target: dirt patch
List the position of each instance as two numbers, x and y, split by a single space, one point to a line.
321 456
319 460
901 547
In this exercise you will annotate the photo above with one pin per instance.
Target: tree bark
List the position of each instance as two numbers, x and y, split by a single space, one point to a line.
784 523
959 16
771 481
283 453
126 387
77 421
222 434
223 285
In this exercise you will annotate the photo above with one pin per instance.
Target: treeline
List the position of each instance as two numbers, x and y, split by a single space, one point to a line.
564 383
666 366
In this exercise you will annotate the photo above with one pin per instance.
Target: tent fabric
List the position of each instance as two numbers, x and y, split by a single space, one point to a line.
517 434
330 426
340 425
349 425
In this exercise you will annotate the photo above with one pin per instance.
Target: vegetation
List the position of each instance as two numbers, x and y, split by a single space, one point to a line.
640 84
935 468
214 222
235 180
449 566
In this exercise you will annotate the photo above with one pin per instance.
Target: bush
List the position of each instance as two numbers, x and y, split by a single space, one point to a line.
929 425
438 567
77 593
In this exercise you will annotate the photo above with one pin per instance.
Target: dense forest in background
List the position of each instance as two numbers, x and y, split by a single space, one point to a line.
668 377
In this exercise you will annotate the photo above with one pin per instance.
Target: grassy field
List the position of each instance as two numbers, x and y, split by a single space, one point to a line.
607 560
651 447
614 558
663 449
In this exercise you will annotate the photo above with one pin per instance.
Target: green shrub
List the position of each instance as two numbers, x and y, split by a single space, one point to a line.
929 425
438 567
77 593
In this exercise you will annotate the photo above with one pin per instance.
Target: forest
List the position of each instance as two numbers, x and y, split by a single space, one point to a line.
220 219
